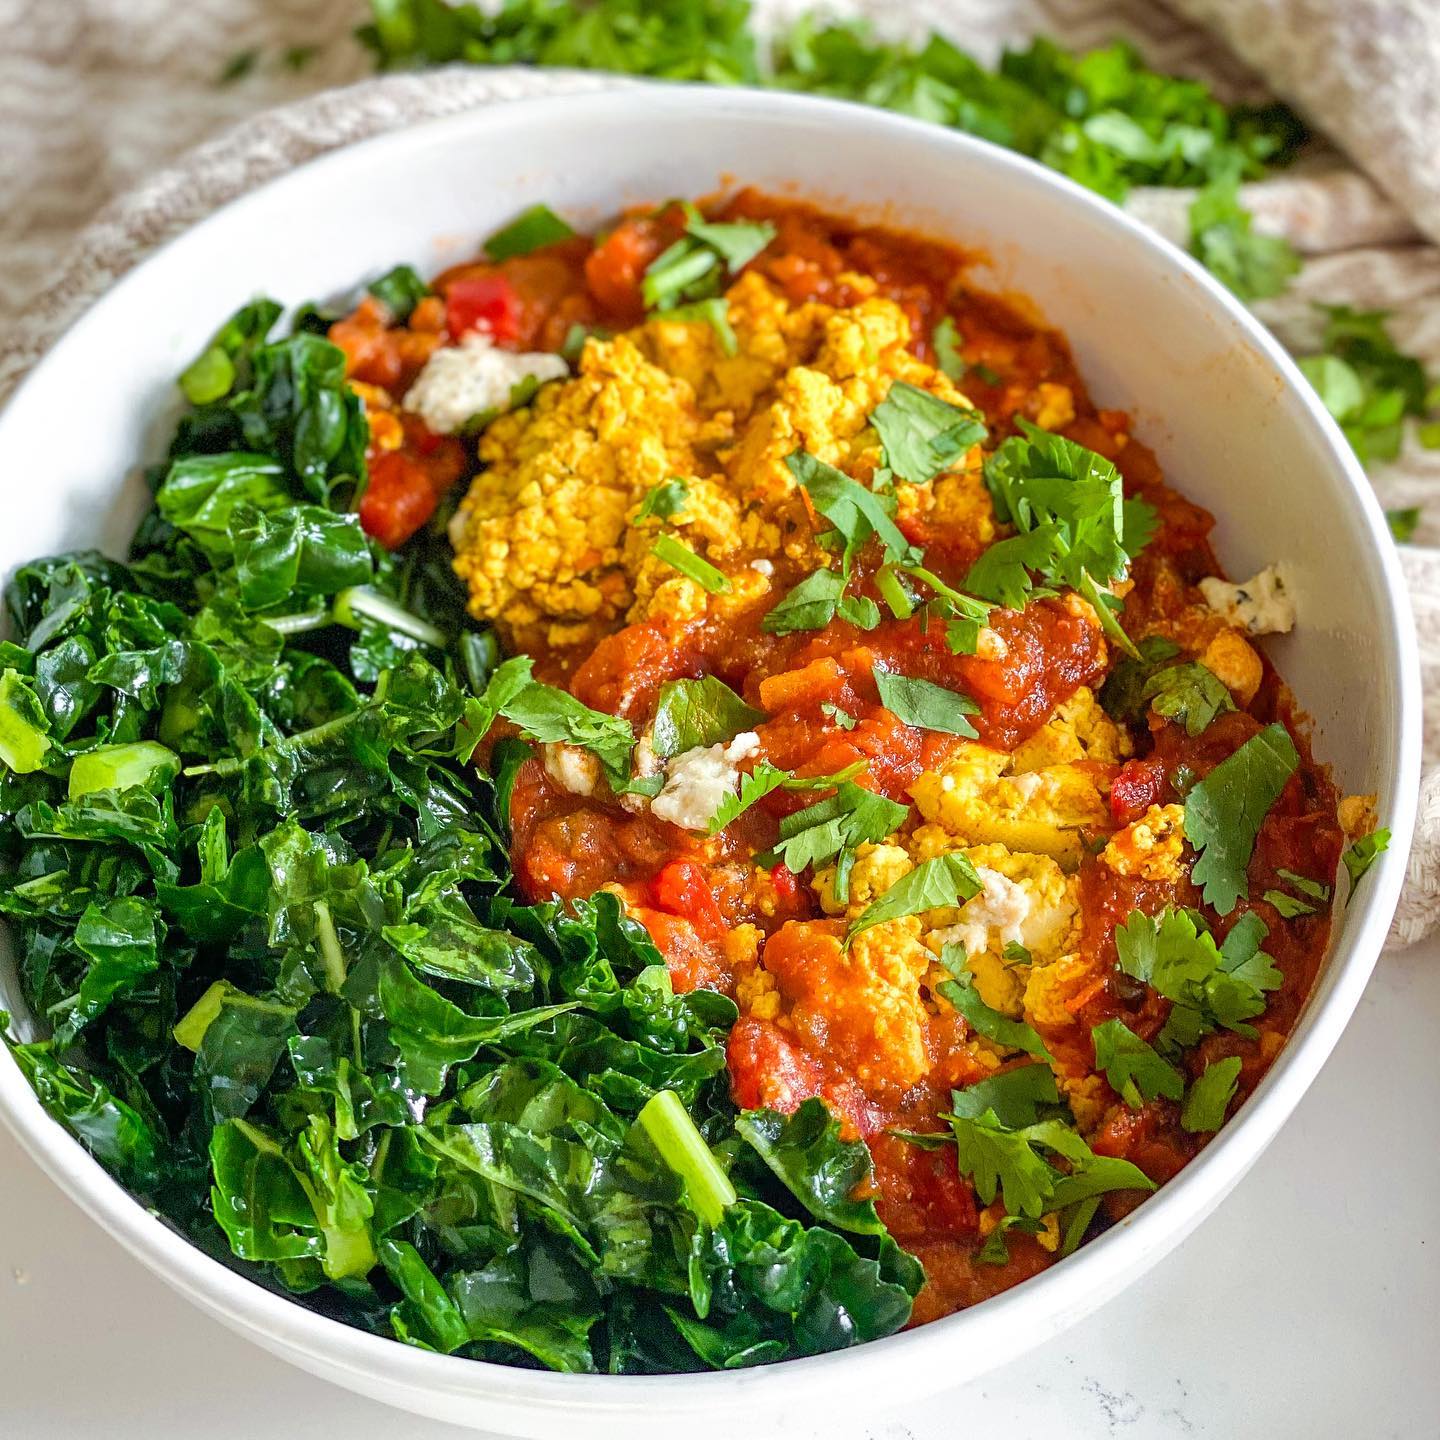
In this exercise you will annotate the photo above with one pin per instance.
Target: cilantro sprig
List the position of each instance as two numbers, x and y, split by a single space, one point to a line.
926 705
1225 810
694 713
941 882
994 1025
1137 1072
922 434
832 829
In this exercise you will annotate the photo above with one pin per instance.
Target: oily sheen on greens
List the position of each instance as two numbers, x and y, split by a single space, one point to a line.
282 986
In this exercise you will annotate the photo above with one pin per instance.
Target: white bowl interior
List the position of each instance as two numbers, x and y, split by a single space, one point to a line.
1234 427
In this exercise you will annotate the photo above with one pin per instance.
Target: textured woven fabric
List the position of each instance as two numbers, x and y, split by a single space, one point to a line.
99 100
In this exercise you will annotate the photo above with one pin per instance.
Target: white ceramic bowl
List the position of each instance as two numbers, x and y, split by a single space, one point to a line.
1232 421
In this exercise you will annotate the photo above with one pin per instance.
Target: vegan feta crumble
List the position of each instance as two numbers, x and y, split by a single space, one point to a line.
474 378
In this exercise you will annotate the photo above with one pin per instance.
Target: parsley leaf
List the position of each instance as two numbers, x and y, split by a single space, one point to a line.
533 228
1224 812
810 605
766 778
940 882
692 713
687 562
1224 240
664 501
1014 1096
550 715
1135 1070
1363 853
855 511
994 1025
923 434
1190 694
1288 905
830 828
1208 986
925 705
1209 1096
945 341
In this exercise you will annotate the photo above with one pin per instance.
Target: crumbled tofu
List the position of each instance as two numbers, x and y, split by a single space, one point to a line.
1149 848
1357 815
1260 606
1231 658
474 378
571 768
995 917
876 869
697 781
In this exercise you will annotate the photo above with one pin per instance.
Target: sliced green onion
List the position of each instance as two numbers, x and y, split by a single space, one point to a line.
530 230
682 1147
892 592
687 562
361 602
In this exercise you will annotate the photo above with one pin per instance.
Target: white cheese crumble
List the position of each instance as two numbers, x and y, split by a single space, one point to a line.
763 567
990 645
1001 907
571 768
462 381
698 780
1261 606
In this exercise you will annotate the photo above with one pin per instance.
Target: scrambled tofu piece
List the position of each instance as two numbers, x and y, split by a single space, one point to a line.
876 869
1151 846
545 539
1079 730
1233 661
977 799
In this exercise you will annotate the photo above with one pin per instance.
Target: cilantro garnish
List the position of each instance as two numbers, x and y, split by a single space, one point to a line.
860 610
810 605
1210 1095
693 268
945 341
1224 812
943 881
855 511
842 718
1224 240
994 1025
1135 1070
925 705
766 778
963 614
1305 885
1015 1097
664 501
1209 986
1191 694
923 434
1363 853
1015 953
1288 906
1068 506
533 228
714 312
831 829
549 715
1123 694
692 713
682 558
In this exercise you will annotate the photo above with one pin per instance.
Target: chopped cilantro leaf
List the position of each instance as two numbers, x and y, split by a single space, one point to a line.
942 881
692 713
530 230
1136 1072
399 290
925 705
1013 1096
856 512
1208 987
663 502
810 605
1305 885
923 434
687 562
1224 240
1015 953
833 827
766 778
893 592
1363 853
1191 694
1403 523
737 242
945 341
1209 1096
860 610
994 1025
1224 812
1002 571
690 270
1288 906
842 718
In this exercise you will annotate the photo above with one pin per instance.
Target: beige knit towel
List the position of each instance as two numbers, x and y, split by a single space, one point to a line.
99 97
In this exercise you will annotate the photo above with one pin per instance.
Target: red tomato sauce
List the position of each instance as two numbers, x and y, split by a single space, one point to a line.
698 896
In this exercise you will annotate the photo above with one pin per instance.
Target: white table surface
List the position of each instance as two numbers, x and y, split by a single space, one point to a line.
1307 1307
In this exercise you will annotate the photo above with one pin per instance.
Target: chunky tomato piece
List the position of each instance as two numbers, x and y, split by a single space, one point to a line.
682 889
1138 785
398 500
487 303
617 265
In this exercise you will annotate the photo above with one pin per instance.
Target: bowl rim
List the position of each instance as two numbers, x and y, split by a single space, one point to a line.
1120 1252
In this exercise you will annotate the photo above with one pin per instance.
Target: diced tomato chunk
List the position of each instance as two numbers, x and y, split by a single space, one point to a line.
681 889
398 500
487 303
1138 785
